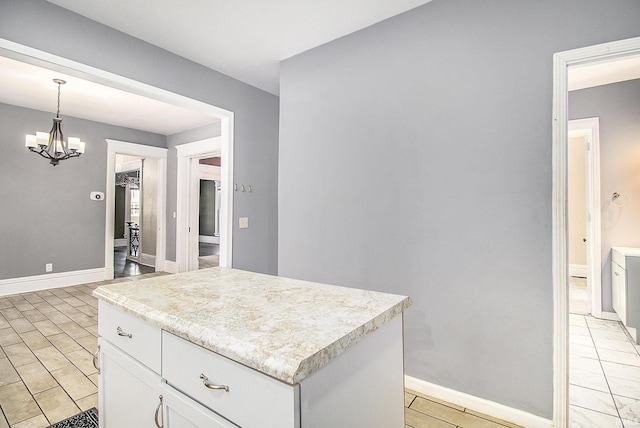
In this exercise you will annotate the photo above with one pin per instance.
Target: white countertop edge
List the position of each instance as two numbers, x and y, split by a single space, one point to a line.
290 372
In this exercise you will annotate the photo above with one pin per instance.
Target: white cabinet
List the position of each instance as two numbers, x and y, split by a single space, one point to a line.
128 392
619 290
625 287
226 386
195 387
179 411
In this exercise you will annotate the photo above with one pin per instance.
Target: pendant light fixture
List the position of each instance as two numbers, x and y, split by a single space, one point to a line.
52 145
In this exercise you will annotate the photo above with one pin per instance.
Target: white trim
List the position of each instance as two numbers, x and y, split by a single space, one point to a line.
481 405
209 172
187 199
171 266
612 316
590 127
27 284
126 148
561 62
579 271
148 260
120 242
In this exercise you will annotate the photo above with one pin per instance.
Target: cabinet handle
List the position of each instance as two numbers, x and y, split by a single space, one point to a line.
122 333
616 274
158 411
95 359
205 381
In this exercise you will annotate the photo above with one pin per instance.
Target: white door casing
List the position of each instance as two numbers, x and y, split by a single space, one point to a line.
188 198
126 148
561 63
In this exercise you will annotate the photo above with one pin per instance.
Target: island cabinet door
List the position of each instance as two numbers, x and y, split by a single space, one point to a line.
179 411
128 392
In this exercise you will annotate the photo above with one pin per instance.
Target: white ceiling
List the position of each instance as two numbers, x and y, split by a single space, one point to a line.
245 39
30 86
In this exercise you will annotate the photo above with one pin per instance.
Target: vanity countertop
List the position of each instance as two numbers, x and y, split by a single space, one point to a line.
282 327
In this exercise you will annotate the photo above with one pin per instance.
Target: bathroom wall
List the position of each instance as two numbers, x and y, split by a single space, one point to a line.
618 107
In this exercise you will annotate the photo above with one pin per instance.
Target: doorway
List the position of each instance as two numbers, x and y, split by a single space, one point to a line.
584 223
188 213
143 171
562 63
210 186
135 221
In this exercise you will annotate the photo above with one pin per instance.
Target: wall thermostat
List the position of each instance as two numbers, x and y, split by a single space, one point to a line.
96 196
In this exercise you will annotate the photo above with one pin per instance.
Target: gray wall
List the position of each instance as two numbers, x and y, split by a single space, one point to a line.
46 214
415 158
44 26
618 107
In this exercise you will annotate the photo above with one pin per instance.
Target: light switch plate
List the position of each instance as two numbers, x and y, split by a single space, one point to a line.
244 222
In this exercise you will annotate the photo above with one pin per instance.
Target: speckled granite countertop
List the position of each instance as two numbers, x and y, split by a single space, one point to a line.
282 327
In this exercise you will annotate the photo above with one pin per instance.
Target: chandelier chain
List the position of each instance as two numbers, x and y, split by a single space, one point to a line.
58 111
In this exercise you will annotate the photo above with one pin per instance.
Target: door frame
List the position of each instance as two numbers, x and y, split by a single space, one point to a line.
591 129
127 148
188 199
560 260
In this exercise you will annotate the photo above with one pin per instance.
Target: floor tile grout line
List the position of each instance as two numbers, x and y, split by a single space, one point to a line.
605 377
25 384
22 380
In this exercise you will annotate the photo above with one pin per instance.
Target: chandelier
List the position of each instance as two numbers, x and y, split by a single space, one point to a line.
51 145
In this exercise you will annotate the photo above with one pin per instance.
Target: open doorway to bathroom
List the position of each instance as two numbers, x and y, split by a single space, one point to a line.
583 180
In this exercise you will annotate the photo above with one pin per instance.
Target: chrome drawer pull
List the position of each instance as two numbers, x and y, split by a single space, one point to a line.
122 333
95 359
205 381
158 411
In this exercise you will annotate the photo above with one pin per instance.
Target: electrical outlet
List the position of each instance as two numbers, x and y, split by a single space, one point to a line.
48 267
244 222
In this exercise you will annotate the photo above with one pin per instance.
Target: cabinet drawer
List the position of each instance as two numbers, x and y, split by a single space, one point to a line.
252 400
137 338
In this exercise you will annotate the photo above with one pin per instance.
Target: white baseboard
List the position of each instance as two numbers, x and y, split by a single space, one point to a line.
147 260
579 271
612 316
478 404
171 266
120 242
51 280
209 239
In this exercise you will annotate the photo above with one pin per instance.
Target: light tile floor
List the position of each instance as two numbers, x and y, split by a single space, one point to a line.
47 341
604 369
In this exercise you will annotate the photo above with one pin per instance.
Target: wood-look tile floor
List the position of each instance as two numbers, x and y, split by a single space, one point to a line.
47 341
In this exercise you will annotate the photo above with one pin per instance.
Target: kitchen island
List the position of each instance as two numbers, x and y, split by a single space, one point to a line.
223 347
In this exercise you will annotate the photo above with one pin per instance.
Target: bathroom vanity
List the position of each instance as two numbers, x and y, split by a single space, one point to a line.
625 287
226 348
